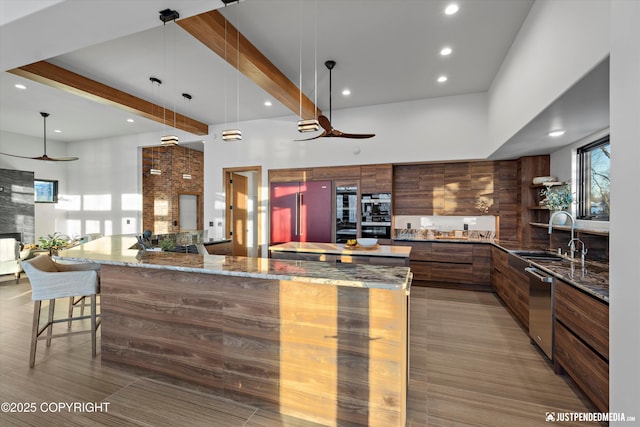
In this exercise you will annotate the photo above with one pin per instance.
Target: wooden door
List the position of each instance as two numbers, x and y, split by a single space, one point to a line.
239 217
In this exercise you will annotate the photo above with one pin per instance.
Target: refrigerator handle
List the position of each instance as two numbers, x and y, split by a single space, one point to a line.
299 217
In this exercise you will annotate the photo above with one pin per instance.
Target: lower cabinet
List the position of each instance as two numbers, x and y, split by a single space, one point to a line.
582 341
449 262
511 285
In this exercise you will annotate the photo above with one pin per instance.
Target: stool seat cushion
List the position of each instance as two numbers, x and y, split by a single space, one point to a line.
50 280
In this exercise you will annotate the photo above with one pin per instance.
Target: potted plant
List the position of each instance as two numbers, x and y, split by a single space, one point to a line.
53 242
557 198
167 244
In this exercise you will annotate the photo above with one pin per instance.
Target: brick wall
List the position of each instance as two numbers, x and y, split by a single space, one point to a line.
161 193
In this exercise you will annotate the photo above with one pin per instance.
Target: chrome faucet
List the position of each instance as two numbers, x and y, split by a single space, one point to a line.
572 247
573 229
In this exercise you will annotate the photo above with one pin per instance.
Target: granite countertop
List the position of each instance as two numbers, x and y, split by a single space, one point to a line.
116 250
341 249
594 279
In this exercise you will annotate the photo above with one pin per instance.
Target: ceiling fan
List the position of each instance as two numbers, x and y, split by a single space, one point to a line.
44 156
329 131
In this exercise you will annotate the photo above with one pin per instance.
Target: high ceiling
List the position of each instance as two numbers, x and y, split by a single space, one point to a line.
386 51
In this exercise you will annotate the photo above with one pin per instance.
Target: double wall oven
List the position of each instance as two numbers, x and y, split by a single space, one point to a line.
376 215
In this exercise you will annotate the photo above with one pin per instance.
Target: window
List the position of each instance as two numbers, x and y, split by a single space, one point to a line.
46 191
594 162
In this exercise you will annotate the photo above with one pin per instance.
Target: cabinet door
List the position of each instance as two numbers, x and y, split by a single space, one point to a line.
583 314
284 212
376 178
315 211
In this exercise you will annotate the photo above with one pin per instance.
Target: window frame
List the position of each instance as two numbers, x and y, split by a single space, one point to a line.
584 179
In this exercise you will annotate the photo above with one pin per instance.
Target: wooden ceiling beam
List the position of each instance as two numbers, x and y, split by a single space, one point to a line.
61 78
218 34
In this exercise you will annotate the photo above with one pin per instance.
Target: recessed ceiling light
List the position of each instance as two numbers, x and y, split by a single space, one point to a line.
20 86
130 120
346 92
556 133
57 131
442 79
446 51
268 103
451 9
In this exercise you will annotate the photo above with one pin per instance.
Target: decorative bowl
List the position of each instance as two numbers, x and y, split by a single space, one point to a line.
364 242
543 179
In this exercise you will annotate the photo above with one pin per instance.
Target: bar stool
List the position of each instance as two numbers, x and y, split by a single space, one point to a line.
50 280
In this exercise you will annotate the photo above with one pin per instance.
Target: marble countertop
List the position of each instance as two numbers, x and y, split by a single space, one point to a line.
116 250
341 249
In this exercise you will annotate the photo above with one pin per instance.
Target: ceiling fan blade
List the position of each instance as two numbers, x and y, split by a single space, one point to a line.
323 134
325 123
44 157
14 155
55 159
357 135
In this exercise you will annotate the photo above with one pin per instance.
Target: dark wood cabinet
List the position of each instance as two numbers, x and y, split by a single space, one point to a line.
449 263
511 285
376 178
581 345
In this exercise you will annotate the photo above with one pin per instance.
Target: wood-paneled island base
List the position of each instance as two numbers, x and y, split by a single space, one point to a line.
318 341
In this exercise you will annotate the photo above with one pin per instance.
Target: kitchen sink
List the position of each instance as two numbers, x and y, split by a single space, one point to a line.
539 255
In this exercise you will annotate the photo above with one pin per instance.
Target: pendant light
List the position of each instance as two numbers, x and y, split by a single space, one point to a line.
233 134
187 175
309 125
154 81
169 15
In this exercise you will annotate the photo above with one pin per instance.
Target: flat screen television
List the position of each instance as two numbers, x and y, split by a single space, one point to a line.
45 190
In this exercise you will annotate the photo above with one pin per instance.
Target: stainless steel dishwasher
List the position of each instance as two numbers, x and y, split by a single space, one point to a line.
541 309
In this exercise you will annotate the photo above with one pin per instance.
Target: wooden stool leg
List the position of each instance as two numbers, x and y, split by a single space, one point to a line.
52 306
93 325
18 277
70 314
34 332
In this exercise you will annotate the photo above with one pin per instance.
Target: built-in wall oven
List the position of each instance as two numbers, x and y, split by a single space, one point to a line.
376 215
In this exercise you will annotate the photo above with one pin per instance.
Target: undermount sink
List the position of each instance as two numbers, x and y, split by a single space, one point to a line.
539 255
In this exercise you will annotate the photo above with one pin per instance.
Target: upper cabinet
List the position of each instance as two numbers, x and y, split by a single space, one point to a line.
376 178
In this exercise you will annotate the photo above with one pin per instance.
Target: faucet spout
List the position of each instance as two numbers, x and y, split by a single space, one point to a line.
573 227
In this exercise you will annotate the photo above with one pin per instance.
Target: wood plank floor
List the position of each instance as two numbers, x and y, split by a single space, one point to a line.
470 365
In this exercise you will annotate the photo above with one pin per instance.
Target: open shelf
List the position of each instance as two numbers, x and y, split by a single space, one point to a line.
568 228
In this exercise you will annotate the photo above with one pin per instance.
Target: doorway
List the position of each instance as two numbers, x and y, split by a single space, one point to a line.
243 198
188 212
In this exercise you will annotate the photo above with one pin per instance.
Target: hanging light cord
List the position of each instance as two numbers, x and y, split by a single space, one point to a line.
300 51
315 53
238 67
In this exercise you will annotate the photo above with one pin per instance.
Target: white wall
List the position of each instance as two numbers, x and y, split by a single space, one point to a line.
625 176
559 43
48 218
448 128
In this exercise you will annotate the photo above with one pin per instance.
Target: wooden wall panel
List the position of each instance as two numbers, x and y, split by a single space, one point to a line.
336 172
286 175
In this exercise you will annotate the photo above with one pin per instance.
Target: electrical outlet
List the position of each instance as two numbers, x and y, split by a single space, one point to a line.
210 223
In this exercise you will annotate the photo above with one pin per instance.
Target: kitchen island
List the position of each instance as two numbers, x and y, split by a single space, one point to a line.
341 253
320 341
